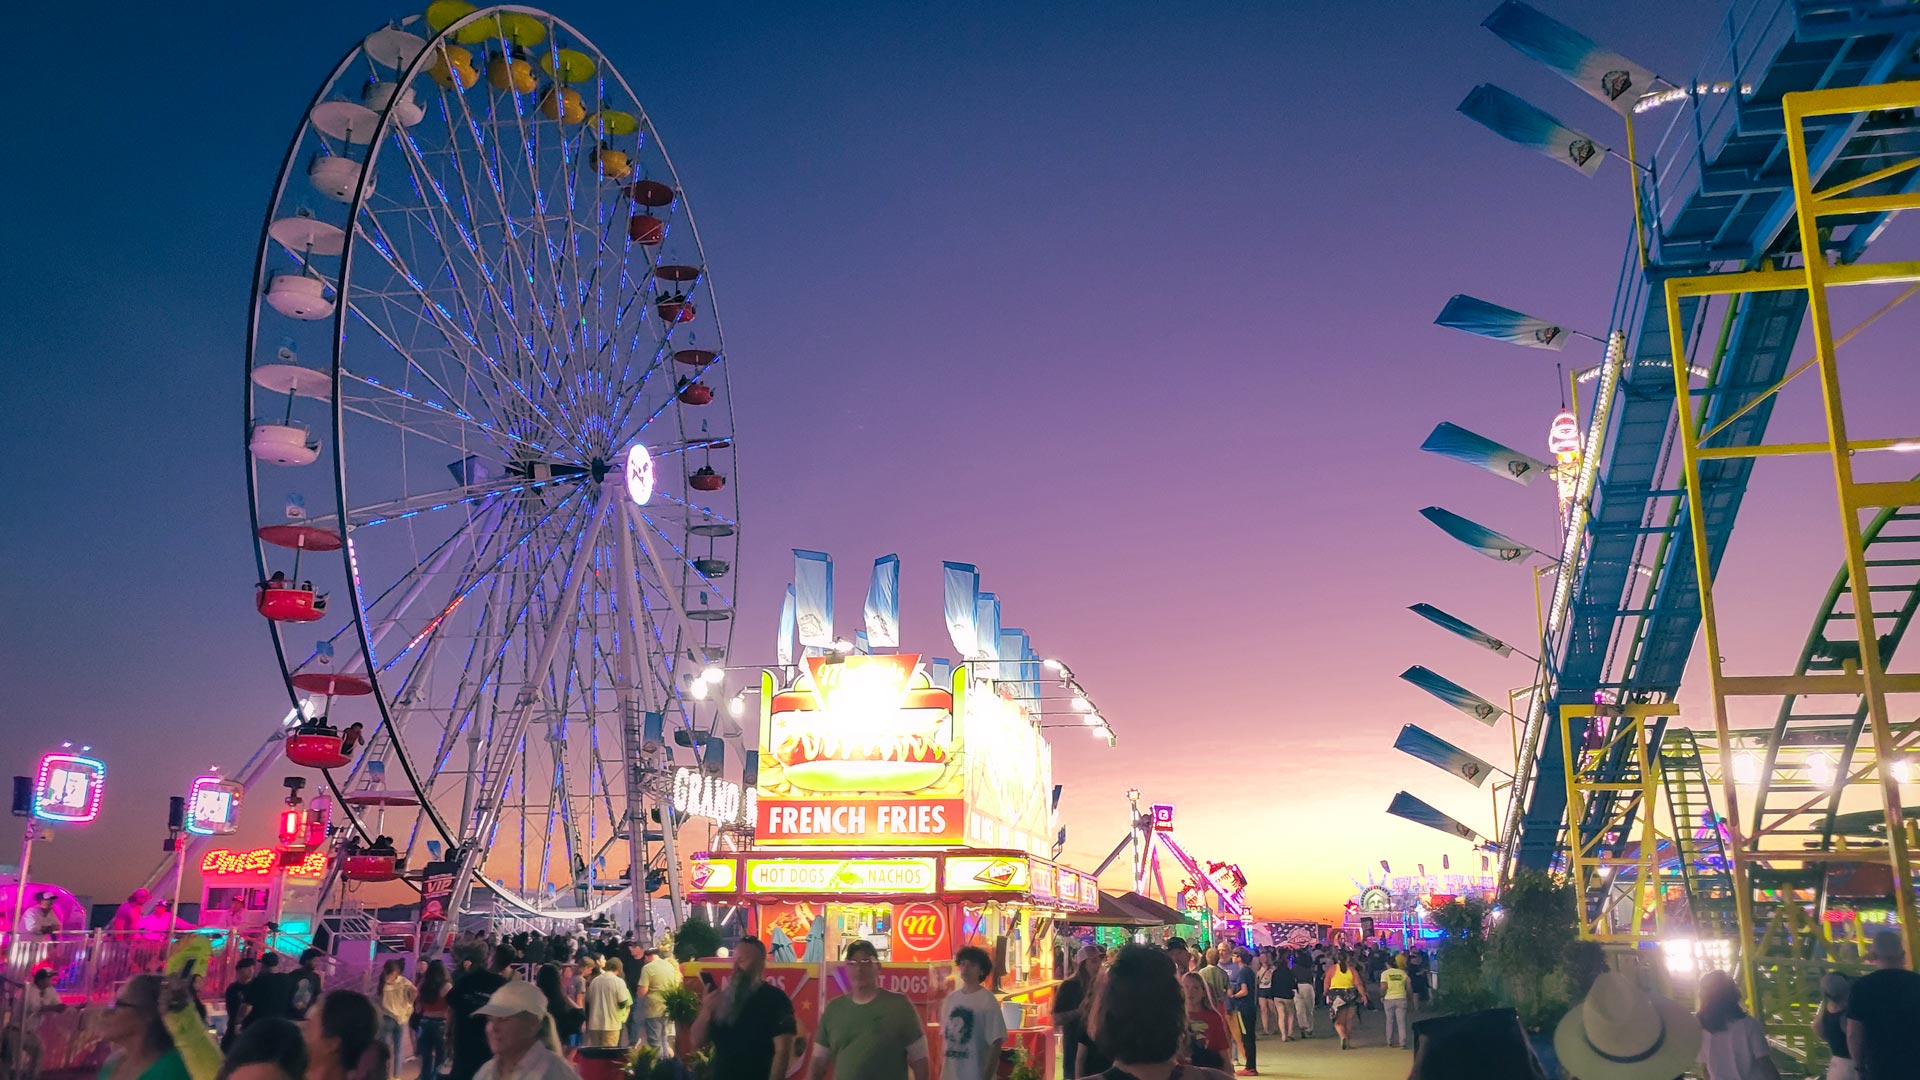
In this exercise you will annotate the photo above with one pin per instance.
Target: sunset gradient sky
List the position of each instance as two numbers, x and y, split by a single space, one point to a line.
1129 304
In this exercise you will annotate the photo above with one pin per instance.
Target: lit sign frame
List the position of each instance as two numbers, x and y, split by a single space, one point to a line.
91 772
214 791
854 876
988 873
261 862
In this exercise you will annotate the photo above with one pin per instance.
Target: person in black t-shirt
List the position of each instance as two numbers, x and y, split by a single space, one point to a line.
237 1002
470 991
1883 1012
305 984
749 1022
270 995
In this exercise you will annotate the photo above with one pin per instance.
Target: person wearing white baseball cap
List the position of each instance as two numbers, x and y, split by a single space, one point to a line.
520 1034
1621 1032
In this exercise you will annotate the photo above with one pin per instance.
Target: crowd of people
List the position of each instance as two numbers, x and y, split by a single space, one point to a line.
1142 1012
1232 995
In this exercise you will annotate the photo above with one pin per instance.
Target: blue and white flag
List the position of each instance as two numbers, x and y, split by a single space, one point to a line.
783 652
1522 122
1613 79
986 625
1493 545
1482 319
1453 441
962 607
940 672
883 603
813 597
1013 646
1461 627
1453 694
1406 806
1442 754
861 644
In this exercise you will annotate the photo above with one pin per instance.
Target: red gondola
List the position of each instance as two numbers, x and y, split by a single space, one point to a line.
646 230
712 568
675 307
705 479
694 357
650 193
696 393
370 867
317 749
284 601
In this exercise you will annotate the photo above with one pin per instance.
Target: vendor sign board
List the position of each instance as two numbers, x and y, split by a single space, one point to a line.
850 876
868 751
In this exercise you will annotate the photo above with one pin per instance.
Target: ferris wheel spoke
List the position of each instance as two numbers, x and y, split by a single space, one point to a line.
411 408
686 560
453 333
471 230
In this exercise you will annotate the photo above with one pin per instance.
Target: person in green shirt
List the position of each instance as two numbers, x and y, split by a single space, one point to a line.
869 1033
148 1032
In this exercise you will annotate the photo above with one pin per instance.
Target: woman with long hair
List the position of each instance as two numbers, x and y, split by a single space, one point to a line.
1734 1045
1346 992
1208 1037
1139 1018
430 1016
343 1038
397 995
567 1018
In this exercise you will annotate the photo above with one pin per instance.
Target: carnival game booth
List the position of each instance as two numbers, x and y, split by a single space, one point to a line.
911 807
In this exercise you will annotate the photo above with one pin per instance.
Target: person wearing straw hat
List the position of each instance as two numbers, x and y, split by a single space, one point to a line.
1620 1032
520 1033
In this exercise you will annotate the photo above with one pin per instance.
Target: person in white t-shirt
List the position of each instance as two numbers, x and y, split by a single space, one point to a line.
608 1001
971 1027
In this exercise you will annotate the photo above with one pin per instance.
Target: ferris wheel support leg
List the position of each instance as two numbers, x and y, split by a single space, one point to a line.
486 811
630 595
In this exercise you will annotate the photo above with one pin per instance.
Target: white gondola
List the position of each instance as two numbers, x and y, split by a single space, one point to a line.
298 296
406 110
335 176
284 443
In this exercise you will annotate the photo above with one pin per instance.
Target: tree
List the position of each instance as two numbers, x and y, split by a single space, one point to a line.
695 938
1533 952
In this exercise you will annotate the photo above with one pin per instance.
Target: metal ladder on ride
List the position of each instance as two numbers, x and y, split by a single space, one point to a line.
1696 836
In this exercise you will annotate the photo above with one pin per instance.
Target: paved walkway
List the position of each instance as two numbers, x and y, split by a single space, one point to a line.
1321 1057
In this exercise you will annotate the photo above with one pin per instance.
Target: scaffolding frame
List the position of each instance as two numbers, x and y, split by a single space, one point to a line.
1627 804
1865 676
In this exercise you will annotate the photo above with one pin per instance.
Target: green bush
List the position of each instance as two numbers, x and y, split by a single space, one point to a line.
1525 954
694 939
683 1005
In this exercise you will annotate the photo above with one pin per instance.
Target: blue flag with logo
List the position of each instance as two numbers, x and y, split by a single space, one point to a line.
1612 79
813 597
783 650
1442 754
883 603
1453 441
1517 120
1453 694
1488 320
1461 627
962 592
986 625
1493 545
1406 806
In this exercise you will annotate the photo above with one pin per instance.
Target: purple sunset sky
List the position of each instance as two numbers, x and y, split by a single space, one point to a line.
1129 304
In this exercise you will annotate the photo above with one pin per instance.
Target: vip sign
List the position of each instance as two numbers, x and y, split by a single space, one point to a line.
855 876
970 873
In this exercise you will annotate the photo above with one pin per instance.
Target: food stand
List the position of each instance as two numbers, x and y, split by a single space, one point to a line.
909 812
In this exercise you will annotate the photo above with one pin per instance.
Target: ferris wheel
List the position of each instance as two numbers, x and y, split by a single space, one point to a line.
490 444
